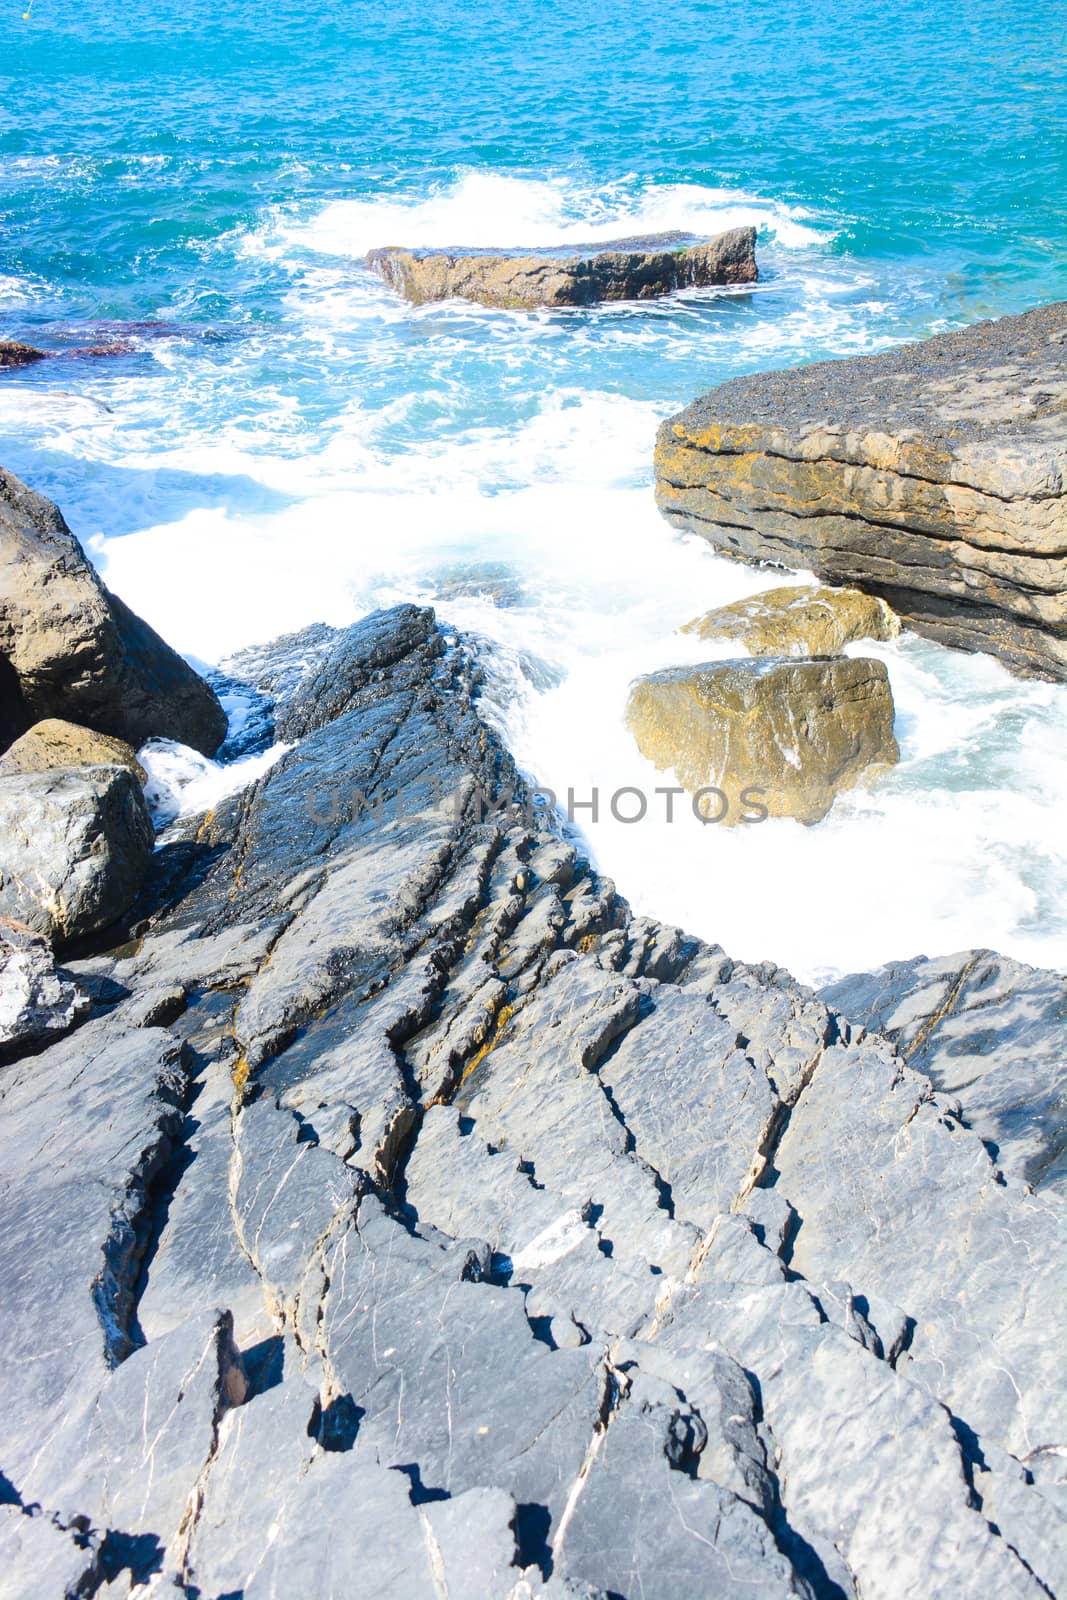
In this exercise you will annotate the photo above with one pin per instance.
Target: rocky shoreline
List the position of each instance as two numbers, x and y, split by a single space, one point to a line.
388 1210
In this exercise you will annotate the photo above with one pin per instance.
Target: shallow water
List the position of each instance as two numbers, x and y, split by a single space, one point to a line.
288 443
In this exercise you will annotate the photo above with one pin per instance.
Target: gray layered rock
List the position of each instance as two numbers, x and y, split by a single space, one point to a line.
766 737
77 842
71 649
627 270
990 1033
425 1224
932 475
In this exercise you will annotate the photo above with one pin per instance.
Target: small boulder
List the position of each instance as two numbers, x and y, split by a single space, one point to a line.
77 842
798 620
784 735
55 743
69 648
37 1001
15 354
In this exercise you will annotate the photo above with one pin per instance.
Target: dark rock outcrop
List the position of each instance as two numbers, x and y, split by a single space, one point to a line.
55 743
758 737
614 272
15 354
424 1223
71 649
934 475
76 846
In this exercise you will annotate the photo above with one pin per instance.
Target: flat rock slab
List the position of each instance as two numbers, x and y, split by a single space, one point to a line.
753 738
934 475
622 271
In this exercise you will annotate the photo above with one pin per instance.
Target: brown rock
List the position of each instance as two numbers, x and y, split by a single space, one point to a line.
787 735
71 649
934 475
519 282
798 620
55 743
14 354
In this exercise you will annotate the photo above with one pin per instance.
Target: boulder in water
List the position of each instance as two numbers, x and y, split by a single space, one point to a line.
798 620
519 282
15 354
751 738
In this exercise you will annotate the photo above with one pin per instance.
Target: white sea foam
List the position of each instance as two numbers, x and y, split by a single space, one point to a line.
486 209
182 782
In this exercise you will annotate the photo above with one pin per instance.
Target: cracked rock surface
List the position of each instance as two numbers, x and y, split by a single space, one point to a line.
933 476
409 1219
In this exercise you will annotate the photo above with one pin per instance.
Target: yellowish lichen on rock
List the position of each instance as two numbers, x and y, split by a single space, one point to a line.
799 620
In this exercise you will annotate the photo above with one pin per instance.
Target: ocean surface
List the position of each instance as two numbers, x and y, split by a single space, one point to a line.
289 443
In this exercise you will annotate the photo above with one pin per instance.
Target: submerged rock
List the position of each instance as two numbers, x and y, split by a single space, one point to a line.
752 738
14 354
422 1221
55 743
517 282
36 1001
76 846
71 649
934 475
799 621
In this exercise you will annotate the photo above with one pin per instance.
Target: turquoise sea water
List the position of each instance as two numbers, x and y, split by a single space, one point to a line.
287 442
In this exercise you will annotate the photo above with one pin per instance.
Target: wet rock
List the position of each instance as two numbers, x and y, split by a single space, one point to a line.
932 475
71 649
77 844
784 735
14 354
55 743
452 1228
516 282
37 1001
799 621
